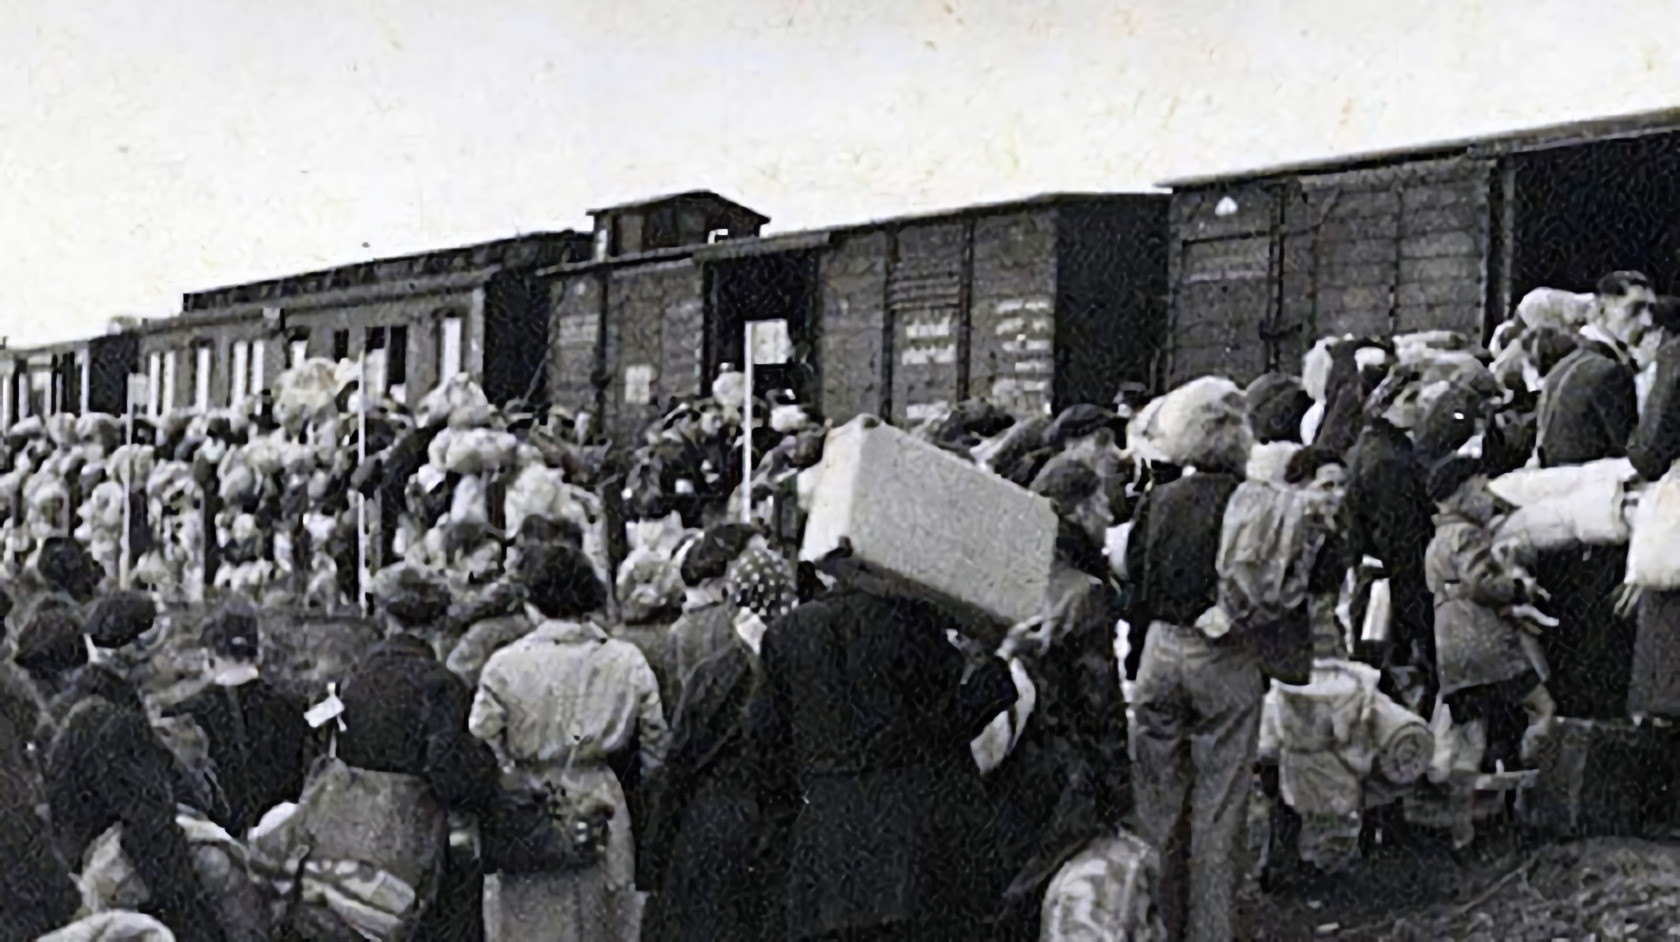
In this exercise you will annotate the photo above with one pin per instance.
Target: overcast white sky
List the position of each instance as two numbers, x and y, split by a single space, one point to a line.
150 148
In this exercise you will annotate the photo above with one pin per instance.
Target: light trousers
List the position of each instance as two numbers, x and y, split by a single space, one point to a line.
1197 733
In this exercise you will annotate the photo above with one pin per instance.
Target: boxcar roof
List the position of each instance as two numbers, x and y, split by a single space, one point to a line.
372 271
695 196
1487 145
803 239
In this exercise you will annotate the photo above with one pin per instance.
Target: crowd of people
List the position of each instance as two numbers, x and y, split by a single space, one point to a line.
714 739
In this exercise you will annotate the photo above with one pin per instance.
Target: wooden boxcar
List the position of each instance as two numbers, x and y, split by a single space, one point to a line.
1446 236
1034 304
476 309
77 377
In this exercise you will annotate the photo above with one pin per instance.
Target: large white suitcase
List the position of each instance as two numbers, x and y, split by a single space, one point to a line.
928 520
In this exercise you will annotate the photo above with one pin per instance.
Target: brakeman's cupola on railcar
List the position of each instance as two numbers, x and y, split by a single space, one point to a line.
697 217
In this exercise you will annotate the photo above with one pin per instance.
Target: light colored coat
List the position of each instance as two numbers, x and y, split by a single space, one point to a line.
554 706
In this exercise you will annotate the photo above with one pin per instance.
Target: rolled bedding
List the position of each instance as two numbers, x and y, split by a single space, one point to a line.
1404 744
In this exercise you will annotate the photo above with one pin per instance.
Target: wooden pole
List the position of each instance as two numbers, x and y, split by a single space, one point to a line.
126 480
747 429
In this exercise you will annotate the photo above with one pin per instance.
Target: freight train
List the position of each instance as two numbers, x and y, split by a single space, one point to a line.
1034 304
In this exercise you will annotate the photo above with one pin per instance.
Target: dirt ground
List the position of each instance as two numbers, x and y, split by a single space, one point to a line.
1600 889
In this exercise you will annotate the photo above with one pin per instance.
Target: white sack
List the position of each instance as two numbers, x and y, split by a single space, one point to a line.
1270 461
1550 307
1594 514
1533 485
1654 548
1200 422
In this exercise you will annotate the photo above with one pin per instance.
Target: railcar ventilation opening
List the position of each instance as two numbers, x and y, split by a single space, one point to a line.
1582 212
765 288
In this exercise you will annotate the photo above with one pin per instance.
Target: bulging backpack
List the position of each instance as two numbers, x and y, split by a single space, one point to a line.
1269 542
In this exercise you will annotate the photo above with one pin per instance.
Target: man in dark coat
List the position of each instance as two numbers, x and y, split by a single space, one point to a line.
1653 449
1389 517
35 882
1589 407
258 738
1067 780
108 767
863 725
1588 411
406 713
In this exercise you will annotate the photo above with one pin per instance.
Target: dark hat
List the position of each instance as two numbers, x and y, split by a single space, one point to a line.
1079 421
416 601
1134 394
233 631
973 420
119 619
1618 283
1449 422
51 643
535 529
712 552
1276 405
65 565
1067 483
1665 314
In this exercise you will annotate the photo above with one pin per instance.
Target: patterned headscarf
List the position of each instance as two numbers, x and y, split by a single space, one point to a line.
762 583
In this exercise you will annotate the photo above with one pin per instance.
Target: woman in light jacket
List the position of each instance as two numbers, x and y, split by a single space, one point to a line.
556 706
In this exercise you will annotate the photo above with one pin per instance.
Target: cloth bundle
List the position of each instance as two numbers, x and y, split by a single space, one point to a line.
112 888
306 394
1594 513
1560 310
1202 422
459 403
371 848
1653 559
649 580
473 451
1104 892
1270 461
113 926
1533 485
1339 743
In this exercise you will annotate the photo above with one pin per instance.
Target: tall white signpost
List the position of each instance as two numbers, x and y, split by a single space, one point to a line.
362 574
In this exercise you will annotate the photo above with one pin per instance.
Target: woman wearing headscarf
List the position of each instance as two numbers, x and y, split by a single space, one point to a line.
705 827
704 628
557 707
